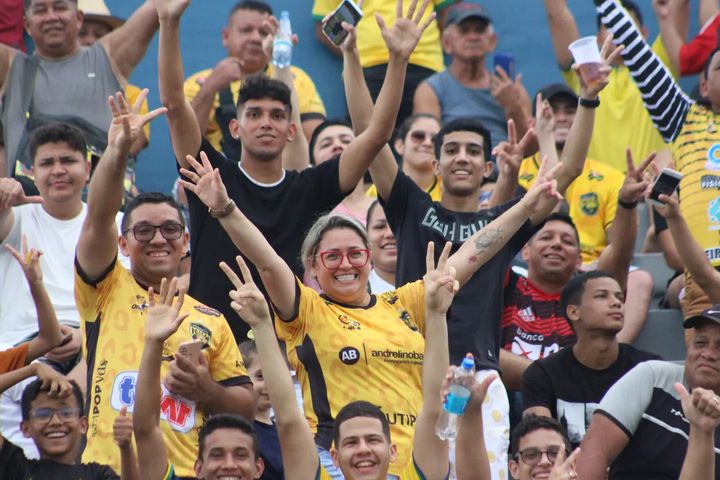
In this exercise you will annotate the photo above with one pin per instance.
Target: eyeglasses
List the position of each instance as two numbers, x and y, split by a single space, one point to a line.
145 232
65 414
532 456
332 259
419 136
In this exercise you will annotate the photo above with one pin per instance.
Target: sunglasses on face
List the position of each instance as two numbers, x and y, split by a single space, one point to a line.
419 136
146 232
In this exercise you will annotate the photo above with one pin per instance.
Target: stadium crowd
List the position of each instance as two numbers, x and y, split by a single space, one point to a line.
295 308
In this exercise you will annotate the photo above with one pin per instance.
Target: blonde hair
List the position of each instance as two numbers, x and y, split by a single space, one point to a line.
330 221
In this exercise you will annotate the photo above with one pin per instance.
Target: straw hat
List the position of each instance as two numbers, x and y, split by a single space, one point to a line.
97 11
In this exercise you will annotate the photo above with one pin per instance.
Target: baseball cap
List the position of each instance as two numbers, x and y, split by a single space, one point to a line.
460 12
712 314
97 11
548 92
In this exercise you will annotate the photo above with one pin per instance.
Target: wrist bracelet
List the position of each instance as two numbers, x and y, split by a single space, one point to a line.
627 205
222 213
588 103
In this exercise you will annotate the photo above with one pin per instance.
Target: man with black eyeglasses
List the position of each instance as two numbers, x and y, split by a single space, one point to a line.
540 448
112 302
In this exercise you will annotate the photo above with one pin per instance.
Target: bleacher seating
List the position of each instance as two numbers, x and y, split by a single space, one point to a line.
663 334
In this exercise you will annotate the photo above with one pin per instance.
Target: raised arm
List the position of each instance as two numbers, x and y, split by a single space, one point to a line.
7 55
486 242
692 255
563 30
127 45
49 334
185 132
400 40
578 140
296 440
471 460
707 9
97 246
509 155
384 168
664 100
205 182
123 433
670 15
702 410
429 452
617 256
163 319
11 195
296 155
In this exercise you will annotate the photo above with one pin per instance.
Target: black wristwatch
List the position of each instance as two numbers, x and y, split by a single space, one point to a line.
587 103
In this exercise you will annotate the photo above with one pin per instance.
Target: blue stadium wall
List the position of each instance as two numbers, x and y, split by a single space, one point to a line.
521 26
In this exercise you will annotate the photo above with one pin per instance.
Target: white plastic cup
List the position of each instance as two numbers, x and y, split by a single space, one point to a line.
586 53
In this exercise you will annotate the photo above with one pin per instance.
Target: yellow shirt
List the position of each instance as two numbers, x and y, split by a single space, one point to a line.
371 46
592 198
343 353
621 120
435 190
308 96
113 323
697 156
410 472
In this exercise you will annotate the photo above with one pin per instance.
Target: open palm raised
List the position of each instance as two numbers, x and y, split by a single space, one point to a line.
402 37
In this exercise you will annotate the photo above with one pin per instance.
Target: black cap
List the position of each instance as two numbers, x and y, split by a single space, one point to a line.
548 92
712 314
460 12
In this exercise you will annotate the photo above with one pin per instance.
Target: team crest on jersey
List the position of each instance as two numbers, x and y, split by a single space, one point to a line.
405 317
207 310
348 323
390 297
198 331
140 303
527 177
589 203
527 315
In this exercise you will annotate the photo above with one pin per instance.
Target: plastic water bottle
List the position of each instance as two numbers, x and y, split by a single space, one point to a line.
282 46
457 400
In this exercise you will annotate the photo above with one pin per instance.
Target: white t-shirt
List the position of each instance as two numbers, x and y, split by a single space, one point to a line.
378 285
57 239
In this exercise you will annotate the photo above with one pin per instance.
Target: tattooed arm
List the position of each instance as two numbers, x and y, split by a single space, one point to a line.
485 243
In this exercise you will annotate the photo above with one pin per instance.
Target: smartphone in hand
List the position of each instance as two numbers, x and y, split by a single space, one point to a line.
348 12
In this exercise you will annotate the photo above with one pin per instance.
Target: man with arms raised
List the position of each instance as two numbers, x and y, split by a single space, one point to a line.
112 301
282 204
62 78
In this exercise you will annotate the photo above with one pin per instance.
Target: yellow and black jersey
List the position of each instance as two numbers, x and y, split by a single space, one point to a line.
343 353
112 320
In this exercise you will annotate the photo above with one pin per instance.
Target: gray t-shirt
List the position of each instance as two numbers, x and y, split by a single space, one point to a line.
78 85
459 101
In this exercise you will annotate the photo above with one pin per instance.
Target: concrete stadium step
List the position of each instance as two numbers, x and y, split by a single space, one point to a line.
654 263
663 334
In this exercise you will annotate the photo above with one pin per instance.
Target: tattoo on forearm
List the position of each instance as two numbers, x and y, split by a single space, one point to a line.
486 239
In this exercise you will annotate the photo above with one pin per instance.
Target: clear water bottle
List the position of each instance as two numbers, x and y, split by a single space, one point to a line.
282 46
457 399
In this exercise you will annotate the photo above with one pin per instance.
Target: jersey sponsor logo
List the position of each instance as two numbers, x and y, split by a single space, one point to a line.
713 210
402 419
348 323
207 310
710 182
589 203
527 315
349 355
179 412
713 253
198 331
596 176
140 304
398 356
713 157
96 399
451 231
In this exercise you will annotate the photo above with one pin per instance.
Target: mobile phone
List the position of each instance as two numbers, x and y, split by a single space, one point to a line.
506 61
348 12
665 184
191 350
